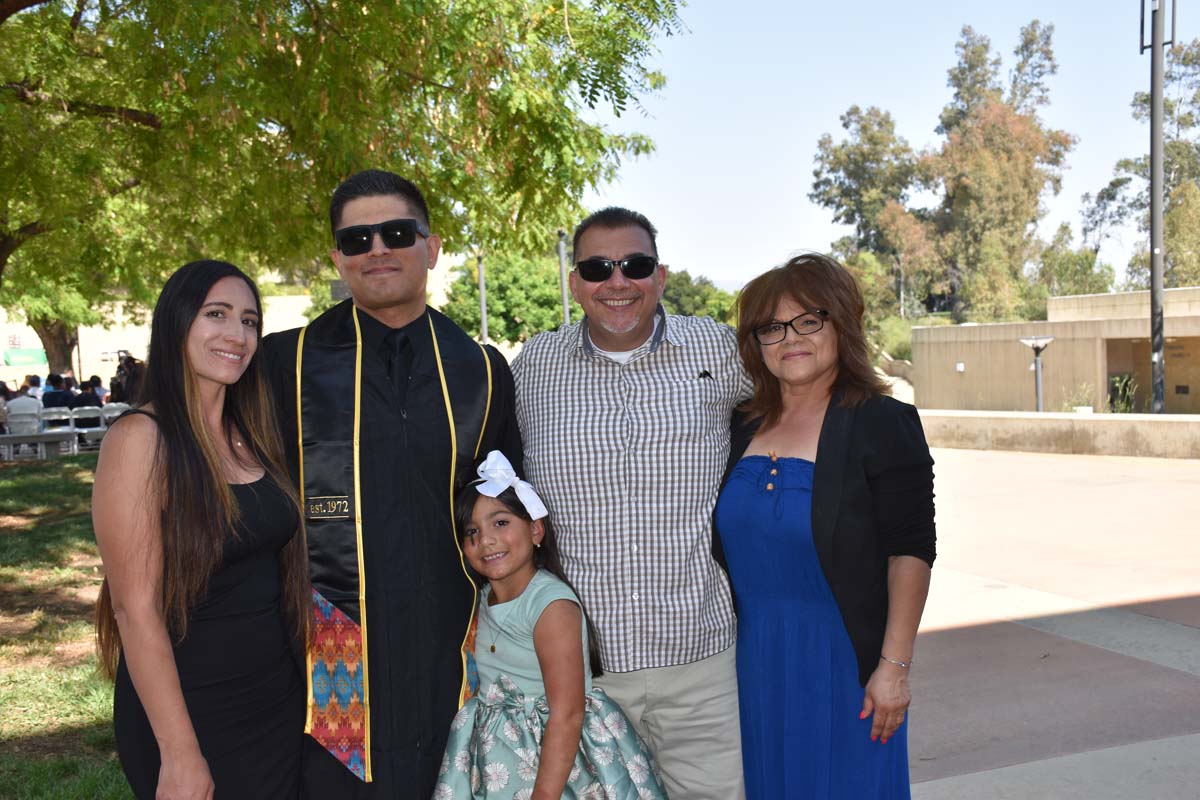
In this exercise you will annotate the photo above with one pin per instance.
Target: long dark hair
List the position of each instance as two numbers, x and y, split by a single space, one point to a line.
202 512
545 557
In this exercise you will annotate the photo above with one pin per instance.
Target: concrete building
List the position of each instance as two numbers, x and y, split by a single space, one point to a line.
1099 340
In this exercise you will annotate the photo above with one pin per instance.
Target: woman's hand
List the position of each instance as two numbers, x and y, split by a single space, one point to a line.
184 777
887 697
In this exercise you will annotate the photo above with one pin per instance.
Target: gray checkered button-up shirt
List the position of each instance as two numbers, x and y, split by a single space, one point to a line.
627 458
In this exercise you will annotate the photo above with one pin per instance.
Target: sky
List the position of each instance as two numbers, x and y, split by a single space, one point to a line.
752 86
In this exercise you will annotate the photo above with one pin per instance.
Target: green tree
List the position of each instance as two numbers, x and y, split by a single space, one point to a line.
974 79
523 297
993 171
911 244
859 176
1181 243
139 135
697 297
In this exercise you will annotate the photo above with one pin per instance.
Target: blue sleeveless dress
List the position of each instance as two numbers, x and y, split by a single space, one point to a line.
797 673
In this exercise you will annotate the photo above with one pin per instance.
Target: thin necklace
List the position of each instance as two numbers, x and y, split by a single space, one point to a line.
496 632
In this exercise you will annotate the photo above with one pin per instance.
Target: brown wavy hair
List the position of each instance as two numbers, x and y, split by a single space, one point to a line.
815 282
202 513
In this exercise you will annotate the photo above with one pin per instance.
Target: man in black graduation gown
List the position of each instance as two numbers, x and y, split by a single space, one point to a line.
385 406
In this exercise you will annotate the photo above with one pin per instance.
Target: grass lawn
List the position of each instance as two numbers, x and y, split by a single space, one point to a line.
56 736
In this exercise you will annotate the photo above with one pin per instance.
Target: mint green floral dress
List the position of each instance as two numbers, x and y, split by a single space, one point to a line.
496 737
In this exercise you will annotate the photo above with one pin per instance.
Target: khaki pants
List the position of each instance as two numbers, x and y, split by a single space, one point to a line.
689 717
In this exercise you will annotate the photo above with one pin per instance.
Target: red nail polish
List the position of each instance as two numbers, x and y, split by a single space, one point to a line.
873 738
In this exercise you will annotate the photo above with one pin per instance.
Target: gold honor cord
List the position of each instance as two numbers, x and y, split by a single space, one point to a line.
487 409
437 356
308 659
362 572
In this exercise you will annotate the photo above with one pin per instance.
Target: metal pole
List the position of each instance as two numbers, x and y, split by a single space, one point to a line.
1037 376
482 301
1157 364
562 276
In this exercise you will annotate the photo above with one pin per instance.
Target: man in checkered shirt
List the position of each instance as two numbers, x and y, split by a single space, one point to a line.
625 420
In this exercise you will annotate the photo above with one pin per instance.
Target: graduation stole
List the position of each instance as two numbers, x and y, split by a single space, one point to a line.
329 380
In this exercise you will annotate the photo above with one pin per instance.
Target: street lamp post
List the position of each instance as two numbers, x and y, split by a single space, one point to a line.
482 301
1157 46
1038 343
562 276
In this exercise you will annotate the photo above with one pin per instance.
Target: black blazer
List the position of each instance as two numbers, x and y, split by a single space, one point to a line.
872 498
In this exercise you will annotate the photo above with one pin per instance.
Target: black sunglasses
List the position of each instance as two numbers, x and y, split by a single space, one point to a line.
598 270
354 240
803 324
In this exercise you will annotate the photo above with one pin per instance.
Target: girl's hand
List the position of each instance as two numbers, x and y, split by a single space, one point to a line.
887 697
184 777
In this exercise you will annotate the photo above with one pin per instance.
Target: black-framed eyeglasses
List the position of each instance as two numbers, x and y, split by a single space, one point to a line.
598 270
354 240
803 324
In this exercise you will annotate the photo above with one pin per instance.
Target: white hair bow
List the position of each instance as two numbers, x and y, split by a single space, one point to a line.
496 474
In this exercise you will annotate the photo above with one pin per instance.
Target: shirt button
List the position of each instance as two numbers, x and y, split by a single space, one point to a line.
635 595
774 472
633 548
770 487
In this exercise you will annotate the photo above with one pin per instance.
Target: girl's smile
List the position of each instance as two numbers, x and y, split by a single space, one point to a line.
499 545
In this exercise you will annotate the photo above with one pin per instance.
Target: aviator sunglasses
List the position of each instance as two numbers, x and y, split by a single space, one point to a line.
354 240
598 270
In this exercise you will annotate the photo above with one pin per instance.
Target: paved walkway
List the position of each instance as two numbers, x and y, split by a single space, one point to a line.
1060 650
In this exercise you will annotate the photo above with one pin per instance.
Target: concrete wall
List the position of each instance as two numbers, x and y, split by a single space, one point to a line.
995 374
1153 435
1183 302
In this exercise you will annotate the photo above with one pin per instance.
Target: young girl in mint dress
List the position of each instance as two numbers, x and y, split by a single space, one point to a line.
536 728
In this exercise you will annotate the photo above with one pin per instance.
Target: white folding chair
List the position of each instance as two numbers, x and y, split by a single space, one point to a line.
90 416
85 419
24 424
110 412
60 419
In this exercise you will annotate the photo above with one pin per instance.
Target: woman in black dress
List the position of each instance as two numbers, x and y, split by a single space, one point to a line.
206 576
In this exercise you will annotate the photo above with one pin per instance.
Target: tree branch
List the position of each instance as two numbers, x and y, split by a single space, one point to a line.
124 186
26 93
9 8
77 17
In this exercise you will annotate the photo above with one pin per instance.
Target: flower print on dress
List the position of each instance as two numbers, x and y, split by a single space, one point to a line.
462 717
639 769
443 792
445 765
527 764
616 725
511 731
593 791
598 731
496 775
493 693
462 761
523 794
486 742
604 756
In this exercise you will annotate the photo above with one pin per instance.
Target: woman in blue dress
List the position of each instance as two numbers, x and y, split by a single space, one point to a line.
826 522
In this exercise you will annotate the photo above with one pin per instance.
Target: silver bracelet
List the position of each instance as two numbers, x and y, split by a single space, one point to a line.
905 664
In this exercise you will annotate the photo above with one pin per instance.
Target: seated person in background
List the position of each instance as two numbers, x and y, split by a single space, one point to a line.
57 396
86 398
101 391
23 403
